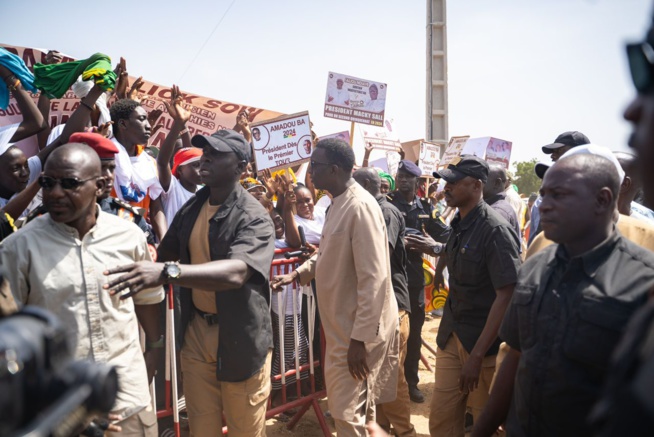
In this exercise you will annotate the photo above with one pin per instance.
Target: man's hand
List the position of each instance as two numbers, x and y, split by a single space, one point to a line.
52 57
179 115
122 80
308 251
103 129
420 243
152 357
356 360
138 276
279 282
469 379
136 87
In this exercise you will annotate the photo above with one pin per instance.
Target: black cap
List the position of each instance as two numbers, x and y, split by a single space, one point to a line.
409 167
225 140
570 139
540 169
466 165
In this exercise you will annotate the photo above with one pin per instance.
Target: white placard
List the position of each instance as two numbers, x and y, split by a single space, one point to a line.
355 99
430 154
282 142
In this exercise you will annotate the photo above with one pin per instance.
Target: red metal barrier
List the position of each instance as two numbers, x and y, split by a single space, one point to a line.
304 401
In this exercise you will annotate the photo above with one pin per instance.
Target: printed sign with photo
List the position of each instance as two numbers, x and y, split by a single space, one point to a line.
354 99
454 148
282 142
382 138
429 158
499 152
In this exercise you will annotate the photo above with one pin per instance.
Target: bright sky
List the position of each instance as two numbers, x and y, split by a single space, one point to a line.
520 70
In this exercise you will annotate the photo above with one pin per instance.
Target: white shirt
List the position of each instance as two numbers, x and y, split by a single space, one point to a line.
173 199
313 228
49 266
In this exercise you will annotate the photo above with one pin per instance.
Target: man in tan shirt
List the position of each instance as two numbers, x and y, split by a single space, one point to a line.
355 296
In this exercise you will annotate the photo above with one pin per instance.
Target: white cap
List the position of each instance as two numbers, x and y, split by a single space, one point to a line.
594 149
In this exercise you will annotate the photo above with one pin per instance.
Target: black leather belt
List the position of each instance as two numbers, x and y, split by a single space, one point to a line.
211 319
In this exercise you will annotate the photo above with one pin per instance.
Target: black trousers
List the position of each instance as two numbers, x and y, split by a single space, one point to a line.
414 343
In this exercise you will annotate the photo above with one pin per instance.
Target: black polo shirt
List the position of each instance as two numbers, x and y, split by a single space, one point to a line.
417 215
241 229
482 256
566 317
499 203
395 230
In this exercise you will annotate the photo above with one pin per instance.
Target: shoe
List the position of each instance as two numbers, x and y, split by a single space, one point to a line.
437 313
416 395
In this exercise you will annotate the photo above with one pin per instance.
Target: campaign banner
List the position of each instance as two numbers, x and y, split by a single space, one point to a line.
282 142
354 99
207 114
499 152
453 150
345 136
381 137
430 154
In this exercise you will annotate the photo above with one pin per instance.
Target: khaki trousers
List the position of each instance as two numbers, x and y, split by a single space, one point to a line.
398 412
141 424
207 399
357 426
448 404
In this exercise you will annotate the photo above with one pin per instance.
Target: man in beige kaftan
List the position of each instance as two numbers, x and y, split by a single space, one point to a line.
355 296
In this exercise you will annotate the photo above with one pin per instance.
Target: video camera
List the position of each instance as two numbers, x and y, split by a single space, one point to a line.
43 391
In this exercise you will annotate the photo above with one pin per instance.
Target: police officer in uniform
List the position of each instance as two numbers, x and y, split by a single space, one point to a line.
420 216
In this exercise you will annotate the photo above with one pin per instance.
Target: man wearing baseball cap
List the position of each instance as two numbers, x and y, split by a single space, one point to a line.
224 241
562 143
482 255
418 214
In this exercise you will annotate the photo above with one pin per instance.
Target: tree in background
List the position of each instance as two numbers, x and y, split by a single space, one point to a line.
525 177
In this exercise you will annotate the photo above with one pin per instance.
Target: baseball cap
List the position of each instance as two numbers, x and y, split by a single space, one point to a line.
570 138
466 165
104 147
594 149
540 169
409 167
224 140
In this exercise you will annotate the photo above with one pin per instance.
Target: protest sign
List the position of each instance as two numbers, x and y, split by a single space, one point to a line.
282 142
476 147
429 158
393 160
499 152
354 99
207 114
383 138
454 148
380 163
345 136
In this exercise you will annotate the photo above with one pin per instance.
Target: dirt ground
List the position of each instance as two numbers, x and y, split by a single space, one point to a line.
308 425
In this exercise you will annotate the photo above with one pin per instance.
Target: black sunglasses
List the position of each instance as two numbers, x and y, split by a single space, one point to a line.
641 61
48 183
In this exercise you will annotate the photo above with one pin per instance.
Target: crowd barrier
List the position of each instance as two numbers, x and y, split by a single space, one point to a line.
302 401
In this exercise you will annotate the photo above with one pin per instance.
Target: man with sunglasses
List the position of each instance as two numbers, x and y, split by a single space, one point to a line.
627 406
357 305
218 250
57 262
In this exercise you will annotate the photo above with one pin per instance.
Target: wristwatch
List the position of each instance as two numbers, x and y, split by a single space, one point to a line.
171 271
438 248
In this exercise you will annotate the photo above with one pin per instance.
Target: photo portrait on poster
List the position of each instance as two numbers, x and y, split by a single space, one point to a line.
354 99
282 142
